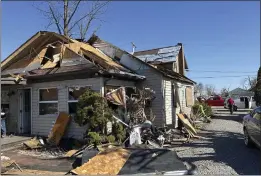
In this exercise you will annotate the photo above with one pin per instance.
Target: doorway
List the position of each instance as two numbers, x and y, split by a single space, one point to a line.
25 111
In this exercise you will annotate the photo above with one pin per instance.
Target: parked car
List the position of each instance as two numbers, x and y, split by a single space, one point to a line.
215 101
243 102
252 127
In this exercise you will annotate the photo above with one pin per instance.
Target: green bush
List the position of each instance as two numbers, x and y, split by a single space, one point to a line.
94 138
119 132
111 139
207 109
93 109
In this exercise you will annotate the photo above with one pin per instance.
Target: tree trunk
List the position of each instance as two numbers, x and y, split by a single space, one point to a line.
65 19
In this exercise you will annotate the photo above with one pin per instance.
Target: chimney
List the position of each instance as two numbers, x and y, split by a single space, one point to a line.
133 48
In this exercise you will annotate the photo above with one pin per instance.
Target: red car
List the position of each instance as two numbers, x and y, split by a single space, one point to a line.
215 101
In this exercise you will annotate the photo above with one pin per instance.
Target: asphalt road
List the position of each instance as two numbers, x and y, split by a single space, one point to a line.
223 152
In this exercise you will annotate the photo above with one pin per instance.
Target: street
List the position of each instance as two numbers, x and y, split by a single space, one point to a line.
223 152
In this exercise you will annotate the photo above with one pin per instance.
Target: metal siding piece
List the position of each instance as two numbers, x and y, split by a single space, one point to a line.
174 49
163 55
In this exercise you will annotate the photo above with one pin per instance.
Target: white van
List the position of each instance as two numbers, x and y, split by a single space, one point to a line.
243 102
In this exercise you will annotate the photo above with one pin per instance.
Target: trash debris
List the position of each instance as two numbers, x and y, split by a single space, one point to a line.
108 162
5 158
135 135
187 124
33 143
51 153
58 129
71 153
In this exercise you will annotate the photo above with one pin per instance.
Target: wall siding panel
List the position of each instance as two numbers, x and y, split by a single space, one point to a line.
168 102
42 124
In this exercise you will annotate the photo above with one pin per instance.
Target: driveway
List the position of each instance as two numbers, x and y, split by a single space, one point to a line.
223 152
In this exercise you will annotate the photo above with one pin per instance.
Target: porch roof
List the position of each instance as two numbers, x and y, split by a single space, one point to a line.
12 81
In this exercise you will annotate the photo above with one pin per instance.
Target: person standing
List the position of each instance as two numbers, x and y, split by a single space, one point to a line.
3 125
231 105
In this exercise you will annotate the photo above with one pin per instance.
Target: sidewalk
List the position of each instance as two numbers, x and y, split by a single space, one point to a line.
12 141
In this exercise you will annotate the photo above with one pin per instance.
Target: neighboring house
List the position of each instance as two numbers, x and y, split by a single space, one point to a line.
48 73
238 92
164 69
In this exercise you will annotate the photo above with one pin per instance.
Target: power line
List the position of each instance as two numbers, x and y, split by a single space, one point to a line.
222 76
220 71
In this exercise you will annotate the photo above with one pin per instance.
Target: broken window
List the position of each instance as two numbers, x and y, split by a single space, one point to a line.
48 101
74 94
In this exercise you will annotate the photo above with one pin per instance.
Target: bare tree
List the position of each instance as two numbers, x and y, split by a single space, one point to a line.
249 83
199 88
210 89
224 92
73 17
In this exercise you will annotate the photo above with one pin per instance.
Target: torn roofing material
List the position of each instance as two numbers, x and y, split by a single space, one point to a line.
175 75
48 53
166 54
99 43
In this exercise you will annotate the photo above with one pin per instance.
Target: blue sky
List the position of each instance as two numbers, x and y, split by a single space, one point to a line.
219 36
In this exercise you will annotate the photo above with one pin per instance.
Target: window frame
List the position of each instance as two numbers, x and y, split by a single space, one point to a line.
46 102
74 101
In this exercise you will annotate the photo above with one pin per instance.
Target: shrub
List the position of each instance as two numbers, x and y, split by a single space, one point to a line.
119 132
94 138
111 139
207 109
93 109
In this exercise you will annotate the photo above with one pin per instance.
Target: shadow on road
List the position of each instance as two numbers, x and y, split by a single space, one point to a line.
229 149
234 117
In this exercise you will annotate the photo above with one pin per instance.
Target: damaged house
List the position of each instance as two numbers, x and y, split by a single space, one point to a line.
164 69
47 74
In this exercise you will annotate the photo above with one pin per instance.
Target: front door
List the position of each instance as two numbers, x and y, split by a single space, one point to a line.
25 111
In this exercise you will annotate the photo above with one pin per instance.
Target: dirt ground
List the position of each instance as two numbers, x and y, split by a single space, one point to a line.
31 163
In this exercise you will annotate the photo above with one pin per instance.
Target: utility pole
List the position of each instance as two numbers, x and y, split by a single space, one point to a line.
133 47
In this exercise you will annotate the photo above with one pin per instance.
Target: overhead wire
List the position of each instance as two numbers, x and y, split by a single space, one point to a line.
212 71
222 76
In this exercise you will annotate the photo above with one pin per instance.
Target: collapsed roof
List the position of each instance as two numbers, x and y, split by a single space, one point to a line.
48 53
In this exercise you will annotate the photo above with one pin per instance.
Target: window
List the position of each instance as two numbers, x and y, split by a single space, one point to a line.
242 99
174 98
48 101
74 94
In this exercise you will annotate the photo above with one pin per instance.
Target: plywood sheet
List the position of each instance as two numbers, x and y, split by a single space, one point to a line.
59 128
99 57
187 124
109 162
189 96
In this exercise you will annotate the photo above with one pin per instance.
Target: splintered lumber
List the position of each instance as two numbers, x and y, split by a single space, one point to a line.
109 162
187 124
71 153
33 143
59 128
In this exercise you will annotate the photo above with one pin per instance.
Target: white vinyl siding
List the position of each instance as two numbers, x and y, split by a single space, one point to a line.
154 81
168 102
42 124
